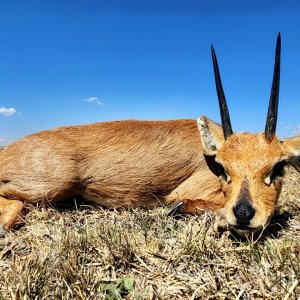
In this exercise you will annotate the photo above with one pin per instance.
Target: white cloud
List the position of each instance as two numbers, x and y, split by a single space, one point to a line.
94 100
7 111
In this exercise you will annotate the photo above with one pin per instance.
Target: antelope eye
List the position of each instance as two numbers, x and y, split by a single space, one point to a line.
277 172
222 172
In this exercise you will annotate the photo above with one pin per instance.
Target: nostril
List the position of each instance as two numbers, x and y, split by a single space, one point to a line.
243 212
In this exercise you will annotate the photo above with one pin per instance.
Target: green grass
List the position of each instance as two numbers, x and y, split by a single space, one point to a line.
95 253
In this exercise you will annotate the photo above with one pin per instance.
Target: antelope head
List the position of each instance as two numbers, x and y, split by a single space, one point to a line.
251 166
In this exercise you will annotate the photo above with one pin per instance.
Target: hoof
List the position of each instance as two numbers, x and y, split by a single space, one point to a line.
176 208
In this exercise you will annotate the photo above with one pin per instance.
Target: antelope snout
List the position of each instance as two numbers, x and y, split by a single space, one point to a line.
243 212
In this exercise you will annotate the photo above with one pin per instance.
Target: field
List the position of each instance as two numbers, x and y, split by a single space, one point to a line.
88 252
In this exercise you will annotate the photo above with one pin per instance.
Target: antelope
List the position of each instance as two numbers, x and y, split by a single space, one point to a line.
187 164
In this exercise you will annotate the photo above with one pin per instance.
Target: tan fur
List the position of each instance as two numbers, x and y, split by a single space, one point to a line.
115 164
145 164
248 160
292 151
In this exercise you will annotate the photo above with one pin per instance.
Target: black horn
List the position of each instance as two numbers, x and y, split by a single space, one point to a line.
226 124
273 104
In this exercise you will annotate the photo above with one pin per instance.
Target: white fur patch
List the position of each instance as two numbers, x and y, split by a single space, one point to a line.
268 180
208 143
296 152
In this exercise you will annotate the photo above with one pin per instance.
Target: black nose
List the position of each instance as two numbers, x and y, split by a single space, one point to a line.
243 212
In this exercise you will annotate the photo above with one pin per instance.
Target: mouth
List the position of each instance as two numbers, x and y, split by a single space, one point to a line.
245 230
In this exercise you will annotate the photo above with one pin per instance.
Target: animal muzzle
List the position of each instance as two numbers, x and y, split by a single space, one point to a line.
243 212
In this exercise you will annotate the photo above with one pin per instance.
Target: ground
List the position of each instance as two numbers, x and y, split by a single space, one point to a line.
93 253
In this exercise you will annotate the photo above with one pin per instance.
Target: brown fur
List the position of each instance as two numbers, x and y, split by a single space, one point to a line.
249 160
115 164
250 157
145 164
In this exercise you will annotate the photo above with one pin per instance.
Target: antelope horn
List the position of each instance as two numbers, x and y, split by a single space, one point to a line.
273 104
226 125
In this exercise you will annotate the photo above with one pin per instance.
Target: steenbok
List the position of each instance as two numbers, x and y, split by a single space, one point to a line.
199 165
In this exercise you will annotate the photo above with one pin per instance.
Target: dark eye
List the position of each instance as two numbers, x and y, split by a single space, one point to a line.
221 172
278 170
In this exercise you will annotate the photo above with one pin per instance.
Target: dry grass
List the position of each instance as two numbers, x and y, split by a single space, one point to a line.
94 253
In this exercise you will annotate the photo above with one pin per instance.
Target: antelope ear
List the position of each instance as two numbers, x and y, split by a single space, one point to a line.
212 137
292 150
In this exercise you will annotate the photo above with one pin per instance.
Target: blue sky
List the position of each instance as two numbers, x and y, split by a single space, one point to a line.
74 62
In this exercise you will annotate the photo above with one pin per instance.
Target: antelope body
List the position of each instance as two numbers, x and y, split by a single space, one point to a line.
199 164
124 163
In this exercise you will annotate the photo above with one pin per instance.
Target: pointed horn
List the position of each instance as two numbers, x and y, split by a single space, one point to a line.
226 124
273 104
